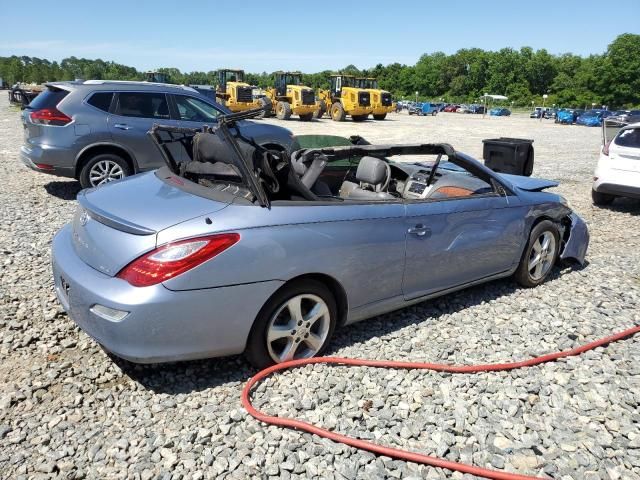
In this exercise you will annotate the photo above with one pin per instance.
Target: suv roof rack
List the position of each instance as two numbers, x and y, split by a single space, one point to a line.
139 83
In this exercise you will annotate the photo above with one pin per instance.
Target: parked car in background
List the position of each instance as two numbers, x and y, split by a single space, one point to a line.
463 109
618 171
476 108
452 108
186 263
568 116
424 108
500 112
592 118
96 130
544 112
626 116
536 113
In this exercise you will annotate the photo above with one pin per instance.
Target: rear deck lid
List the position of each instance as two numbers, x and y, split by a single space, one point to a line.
527 183
118 222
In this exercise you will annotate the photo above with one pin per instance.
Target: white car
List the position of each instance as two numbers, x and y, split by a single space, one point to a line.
618 170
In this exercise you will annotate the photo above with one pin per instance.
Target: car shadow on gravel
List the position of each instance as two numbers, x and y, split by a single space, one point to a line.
624 205
431 310
194 376
187 377
63 190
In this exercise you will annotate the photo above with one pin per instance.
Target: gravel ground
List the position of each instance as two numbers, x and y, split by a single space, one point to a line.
68 411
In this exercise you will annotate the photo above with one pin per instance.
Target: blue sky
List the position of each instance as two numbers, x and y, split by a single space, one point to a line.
283 34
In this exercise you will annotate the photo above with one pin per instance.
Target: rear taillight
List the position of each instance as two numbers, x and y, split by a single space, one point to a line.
49 116
173 259
605 148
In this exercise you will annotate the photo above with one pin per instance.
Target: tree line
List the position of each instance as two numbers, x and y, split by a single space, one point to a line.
611 78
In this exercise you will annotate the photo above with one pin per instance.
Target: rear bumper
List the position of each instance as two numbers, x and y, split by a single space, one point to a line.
360 111
380 110
305 109
61 161
162 325
621 183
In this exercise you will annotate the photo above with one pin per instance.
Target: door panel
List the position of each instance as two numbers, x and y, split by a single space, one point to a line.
452 242
134 115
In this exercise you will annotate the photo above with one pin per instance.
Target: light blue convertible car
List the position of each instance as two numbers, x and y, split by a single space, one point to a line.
238 249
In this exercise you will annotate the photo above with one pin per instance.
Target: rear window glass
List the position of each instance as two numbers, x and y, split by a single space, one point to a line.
146 105
629 138
101 100
49 98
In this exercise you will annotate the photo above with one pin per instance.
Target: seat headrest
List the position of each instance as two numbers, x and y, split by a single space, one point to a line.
371 170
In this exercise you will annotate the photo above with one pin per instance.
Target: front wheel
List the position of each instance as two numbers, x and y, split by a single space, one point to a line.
540 255
601 199
297 322
103 168
337 112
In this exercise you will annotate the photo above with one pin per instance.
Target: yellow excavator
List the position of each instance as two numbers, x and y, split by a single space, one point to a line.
233 92
344 98
289 97
381 101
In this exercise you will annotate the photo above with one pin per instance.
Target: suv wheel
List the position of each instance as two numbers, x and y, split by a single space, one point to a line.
103 168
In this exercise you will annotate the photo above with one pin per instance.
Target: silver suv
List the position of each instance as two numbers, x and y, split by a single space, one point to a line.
96 130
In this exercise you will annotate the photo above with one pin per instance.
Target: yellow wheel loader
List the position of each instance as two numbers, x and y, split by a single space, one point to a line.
381 101
289 97
344 98
233 92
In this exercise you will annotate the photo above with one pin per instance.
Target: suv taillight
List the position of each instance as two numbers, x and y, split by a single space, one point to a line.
172 259
49 116
605 148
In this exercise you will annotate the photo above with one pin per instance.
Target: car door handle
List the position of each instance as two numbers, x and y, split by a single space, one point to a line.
122 126
419 230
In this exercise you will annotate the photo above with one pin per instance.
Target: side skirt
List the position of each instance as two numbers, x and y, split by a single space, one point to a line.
396 303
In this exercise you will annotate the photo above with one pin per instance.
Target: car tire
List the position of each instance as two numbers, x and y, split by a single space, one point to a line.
337 112
434 113
531 273
601 199
103 168
290 337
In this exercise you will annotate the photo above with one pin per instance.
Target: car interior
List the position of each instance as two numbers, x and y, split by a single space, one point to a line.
331 169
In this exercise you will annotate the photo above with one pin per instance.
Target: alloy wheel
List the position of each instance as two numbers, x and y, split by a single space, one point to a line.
298 328
105 171
543 253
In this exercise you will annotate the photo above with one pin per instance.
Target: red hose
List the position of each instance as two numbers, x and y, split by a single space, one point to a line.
395 452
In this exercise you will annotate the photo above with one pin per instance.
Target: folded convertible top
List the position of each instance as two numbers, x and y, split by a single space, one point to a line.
382 150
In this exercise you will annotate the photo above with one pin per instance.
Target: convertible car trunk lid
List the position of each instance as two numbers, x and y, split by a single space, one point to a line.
529 184
117 223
